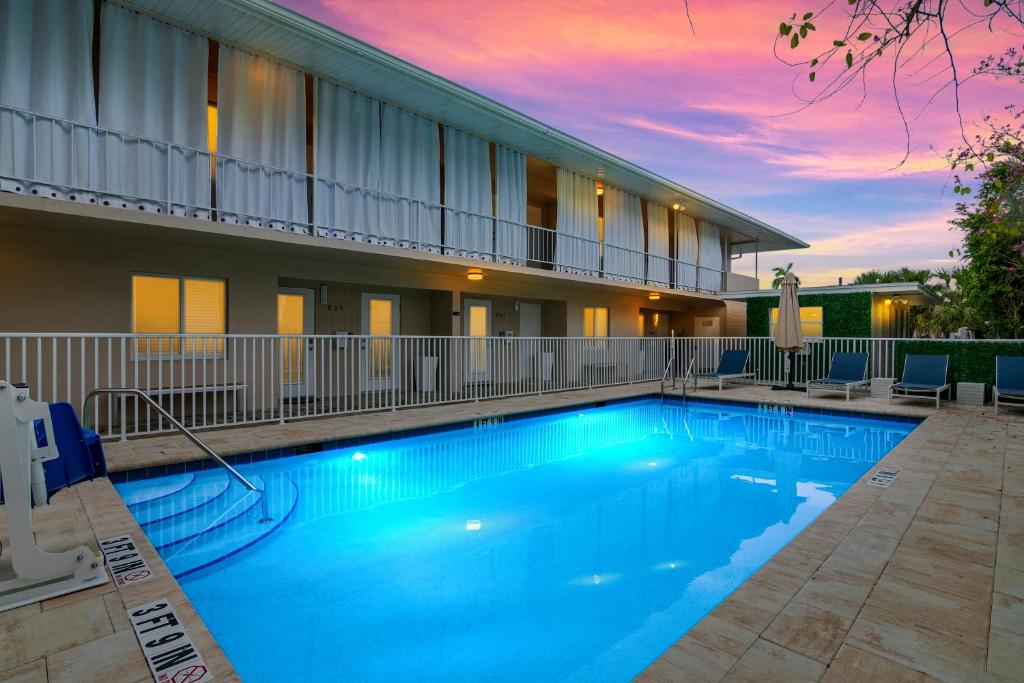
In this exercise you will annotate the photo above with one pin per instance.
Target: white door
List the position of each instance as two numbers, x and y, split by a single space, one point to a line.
295 318
529 326
380 319
476 322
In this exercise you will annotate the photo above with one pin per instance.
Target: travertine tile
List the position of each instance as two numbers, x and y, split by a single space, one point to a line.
116 657
853 665
767 662
1008 615
51 631
1009 581
698 662
918 646
932 606
808 630
33 672
1005 654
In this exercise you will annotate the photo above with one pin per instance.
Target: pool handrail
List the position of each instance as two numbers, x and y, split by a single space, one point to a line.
199 443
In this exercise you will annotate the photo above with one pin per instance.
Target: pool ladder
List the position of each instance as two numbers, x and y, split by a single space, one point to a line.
199 443
670 366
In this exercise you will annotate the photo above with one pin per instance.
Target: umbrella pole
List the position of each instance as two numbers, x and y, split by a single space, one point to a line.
789 386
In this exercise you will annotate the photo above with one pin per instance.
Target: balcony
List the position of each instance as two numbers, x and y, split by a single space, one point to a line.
66 160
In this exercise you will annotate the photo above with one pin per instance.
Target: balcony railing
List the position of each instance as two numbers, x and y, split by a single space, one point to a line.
63 159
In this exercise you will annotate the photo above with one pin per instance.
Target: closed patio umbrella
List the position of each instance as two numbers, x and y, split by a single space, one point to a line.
788 334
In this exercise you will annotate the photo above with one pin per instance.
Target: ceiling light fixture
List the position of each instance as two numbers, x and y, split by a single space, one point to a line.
474 274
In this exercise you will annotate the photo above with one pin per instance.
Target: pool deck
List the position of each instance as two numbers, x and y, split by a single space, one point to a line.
921 581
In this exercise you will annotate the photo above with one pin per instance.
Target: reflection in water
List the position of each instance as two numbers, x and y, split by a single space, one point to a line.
563 547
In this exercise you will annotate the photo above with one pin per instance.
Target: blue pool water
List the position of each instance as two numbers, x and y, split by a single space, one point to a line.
574 546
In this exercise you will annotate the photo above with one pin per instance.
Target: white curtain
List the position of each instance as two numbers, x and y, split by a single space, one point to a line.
261 122
576 246
153 85
686 251
46 68
710 277
467 186
347 162
512 236
410 167
658 264
623 236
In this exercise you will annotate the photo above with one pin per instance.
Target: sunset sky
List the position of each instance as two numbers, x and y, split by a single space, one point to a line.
713 109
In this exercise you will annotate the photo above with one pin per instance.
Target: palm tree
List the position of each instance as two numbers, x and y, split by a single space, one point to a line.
780 275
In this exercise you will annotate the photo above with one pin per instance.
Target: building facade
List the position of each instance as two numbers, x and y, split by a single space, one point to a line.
207 168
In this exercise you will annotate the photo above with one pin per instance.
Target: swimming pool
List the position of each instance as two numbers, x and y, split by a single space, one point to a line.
571 546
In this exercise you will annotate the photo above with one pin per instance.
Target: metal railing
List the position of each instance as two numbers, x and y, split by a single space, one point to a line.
99 166
208 381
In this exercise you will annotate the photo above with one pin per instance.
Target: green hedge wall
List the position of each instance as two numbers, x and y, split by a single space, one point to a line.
845 315
969 361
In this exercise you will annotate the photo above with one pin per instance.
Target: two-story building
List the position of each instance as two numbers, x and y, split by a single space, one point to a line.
186 167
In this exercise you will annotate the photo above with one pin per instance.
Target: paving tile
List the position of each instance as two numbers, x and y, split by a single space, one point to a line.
1008 615
767 662
116 657
932 606
697 662
33 672
853 665
962 579
917 646
1005 654
751 607
808 630
1009 581
723 636
951 542
47 632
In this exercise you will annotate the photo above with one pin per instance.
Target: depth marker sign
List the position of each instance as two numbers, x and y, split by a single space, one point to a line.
169 651
884 478
126 563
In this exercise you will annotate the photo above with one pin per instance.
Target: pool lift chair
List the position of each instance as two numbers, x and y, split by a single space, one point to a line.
28 456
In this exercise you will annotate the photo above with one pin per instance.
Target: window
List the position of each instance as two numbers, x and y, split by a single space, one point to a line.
811 321
165 305
595 321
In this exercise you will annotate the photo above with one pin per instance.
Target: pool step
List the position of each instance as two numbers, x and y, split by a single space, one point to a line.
206 488
224 540
222 510
142 490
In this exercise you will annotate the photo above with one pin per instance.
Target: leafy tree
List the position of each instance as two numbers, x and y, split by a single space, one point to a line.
904 274
780 274
913 40
992 252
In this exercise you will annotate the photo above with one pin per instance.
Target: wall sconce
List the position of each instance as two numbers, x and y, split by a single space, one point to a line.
600 188
474 274
323 294
678 207
888 302
653 296
515 305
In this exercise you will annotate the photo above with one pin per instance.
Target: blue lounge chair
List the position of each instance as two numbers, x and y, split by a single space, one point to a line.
730 366
1009 388
924 376
848 370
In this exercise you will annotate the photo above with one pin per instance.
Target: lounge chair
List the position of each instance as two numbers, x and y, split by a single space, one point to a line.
924 376
1009 387
848 370
731 365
